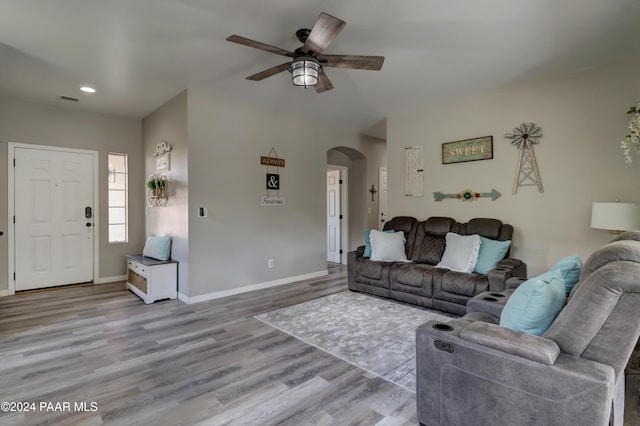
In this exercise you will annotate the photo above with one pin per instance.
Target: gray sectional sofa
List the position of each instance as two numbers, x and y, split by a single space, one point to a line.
472 371
420 282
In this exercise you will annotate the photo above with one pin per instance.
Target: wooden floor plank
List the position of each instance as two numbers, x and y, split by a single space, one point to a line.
173 363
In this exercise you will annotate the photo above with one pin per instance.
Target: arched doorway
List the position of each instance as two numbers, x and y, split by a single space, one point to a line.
351 166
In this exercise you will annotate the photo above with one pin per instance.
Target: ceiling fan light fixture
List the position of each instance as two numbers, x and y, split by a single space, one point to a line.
304 71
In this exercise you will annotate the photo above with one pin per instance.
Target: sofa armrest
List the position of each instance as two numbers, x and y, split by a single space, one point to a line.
461 382
504 270
513 342
355 254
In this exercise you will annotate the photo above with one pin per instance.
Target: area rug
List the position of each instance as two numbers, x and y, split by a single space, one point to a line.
374 334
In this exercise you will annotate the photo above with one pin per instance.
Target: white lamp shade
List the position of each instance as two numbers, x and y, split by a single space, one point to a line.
615 216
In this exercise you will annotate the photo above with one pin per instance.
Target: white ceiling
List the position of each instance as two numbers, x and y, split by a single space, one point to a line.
140 53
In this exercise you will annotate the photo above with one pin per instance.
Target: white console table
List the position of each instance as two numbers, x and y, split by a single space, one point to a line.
152 279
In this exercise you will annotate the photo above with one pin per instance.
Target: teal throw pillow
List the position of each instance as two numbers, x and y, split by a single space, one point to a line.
367 241
158 247
570 268
491 252
535 304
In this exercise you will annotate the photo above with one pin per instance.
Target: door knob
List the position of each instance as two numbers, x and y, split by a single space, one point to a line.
88 225
1 233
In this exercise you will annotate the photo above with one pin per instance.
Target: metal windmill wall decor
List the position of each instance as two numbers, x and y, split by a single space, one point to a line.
524 137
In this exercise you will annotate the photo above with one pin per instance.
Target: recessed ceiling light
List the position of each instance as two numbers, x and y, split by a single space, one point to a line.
88 89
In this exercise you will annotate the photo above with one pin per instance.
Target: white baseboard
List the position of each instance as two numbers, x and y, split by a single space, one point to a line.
259 286
104 280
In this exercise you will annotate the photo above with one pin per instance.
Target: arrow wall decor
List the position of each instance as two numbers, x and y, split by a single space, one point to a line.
467 195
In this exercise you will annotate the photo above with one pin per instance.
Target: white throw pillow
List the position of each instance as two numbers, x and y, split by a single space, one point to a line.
387 247
460 253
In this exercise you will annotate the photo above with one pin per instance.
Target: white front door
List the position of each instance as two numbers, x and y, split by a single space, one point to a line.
53 218
382 199
333 216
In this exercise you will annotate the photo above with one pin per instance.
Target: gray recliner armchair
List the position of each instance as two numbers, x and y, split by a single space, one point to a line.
471 371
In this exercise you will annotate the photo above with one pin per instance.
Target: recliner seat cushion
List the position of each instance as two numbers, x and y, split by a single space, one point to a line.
418 276
371 270
463 283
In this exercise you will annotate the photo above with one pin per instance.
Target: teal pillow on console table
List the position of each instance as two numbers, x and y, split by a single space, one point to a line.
535 304
158 248
491 252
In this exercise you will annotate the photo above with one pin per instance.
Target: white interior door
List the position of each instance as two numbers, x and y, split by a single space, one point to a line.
53 218
333 216
382 199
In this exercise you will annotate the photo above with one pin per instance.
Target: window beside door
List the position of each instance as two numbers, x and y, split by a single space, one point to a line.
118 198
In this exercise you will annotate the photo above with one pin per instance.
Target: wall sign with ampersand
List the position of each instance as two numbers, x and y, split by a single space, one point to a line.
273 181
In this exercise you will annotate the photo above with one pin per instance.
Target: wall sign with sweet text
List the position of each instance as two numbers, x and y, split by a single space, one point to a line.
467 150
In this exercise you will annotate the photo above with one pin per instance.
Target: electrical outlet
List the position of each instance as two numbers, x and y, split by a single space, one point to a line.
270 263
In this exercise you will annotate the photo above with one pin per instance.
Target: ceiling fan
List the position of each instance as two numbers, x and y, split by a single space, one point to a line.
308 61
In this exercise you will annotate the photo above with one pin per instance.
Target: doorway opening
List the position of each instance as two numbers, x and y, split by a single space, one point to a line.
337 214
352 165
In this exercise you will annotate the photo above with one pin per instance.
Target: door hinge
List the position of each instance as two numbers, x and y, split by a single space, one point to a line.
340 217
340 181
14 276
14 162
340 251
14 219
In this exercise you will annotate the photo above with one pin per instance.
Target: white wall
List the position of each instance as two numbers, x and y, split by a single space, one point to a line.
169 123
26 122
230 248
582 117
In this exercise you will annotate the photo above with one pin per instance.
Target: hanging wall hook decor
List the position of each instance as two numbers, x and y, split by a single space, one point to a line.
523 138
162 148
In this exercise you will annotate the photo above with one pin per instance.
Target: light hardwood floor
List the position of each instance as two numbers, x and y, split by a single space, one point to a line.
170 363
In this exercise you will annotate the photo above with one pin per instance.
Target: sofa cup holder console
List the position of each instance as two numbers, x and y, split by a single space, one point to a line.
442 327
497 294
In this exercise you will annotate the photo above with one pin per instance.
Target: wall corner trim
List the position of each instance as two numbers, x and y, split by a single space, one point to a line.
245 289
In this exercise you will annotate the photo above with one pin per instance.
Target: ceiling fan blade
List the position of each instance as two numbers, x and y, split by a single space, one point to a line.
324 84
373 63
322 34
268 73
258 45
